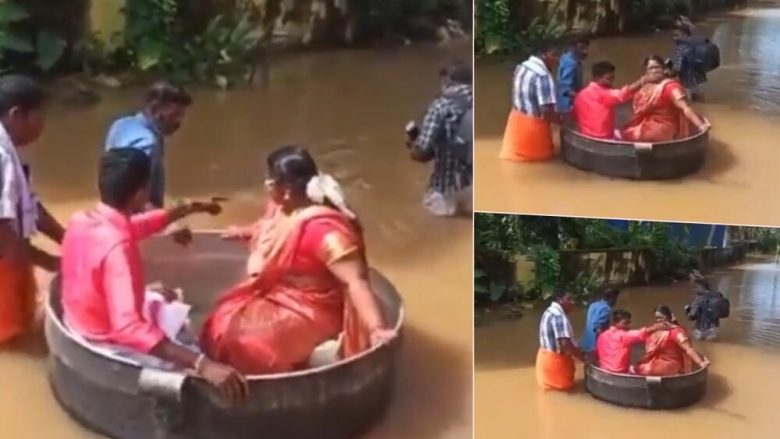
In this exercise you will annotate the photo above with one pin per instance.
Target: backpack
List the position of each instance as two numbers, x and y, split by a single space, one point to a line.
706 54
462 143
720 306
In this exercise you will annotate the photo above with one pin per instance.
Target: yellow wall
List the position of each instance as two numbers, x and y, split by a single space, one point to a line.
105 17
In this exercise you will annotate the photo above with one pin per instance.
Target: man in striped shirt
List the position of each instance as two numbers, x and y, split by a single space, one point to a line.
528 135
557 350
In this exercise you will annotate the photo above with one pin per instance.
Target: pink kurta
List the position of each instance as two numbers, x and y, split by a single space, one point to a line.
594 109
103 283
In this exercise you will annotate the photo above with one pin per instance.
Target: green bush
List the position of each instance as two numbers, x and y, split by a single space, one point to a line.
155 41
23 48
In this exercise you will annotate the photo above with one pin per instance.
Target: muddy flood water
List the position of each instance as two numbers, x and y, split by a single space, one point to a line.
350 107
741 398
741 100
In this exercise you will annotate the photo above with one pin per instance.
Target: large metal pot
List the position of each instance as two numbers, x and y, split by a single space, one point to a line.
118 398
639 161
668 392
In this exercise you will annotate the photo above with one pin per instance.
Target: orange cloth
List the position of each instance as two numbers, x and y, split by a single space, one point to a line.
291 302
554 371
656 117
527 139
17 299
664 354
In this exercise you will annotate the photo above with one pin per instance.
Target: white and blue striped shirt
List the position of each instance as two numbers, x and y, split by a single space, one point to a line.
554 325
533 87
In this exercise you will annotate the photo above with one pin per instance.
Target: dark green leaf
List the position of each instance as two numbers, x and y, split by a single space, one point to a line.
50 49
11 12
15 43
496 291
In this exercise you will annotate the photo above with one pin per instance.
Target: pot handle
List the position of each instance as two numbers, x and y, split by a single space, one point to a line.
165 389
653 384
161 384
643 148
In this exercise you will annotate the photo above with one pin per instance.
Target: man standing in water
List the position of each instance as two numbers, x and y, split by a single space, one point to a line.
445 138
570 74
528 135
166 106
598 318
102 272
557 350
21 214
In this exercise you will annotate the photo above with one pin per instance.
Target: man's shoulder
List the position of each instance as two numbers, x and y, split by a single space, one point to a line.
130 131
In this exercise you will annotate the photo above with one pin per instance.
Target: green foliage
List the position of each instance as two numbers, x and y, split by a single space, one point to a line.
499 238
155 41
498 29
23 48
767 240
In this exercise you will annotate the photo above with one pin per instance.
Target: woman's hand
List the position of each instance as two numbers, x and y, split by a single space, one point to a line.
182 237
230 384
382 336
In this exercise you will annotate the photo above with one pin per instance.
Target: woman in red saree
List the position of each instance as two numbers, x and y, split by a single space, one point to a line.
307 278
660 110
668 352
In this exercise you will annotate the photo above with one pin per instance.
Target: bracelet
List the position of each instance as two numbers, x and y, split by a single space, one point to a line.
199 363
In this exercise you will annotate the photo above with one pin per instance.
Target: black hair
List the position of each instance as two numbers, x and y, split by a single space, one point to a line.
292 166
123 172
545 47
17 91
610 293
657 58
602 68
585 41
458 72
166 92
619 315
666 312
559 294
667 64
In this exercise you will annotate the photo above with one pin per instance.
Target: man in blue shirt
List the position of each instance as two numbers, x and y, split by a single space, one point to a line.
598 318
569 78
166 106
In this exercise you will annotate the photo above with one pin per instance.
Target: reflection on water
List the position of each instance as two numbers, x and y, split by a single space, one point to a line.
741 100
350 107
742 387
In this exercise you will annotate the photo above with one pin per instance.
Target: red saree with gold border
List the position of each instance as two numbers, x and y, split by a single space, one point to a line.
291 302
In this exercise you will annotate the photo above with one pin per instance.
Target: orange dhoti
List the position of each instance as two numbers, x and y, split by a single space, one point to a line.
17 299
527 139
554 371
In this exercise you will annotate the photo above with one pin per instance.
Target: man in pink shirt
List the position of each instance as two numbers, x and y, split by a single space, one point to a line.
594 106
103 286
613 346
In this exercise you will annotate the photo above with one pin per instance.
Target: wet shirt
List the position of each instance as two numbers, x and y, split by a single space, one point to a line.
703 313
569 80
553 326
103 280
594 109
691 72
614 348
597 318
18 204
533 87
138 131
439 129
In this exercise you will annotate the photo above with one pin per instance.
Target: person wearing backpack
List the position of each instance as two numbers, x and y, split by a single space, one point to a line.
706 310
692 70
445 139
